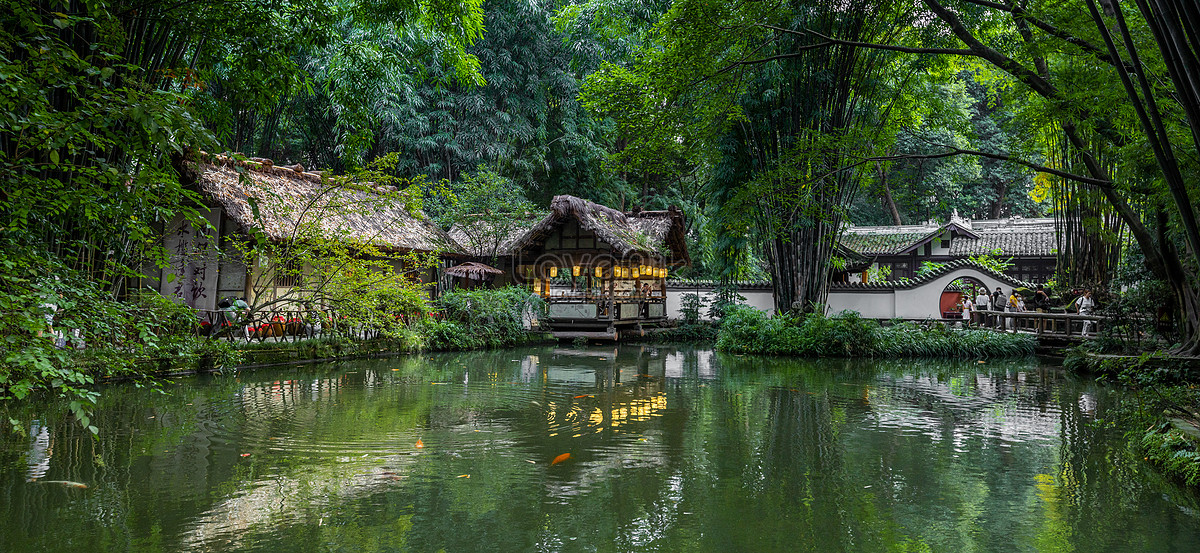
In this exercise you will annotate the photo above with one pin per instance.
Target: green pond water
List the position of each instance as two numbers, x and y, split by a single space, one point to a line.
669 450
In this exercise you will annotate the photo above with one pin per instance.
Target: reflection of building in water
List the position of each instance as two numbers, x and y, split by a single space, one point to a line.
529 368
281 394
623 387
1003 407
41 448
681 363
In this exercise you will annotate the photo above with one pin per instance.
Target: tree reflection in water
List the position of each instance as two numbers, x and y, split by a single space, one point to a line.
669 449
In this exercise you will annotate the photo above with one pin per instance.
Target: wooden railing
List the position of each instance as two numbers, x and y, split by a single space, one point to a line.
273 325
1066 325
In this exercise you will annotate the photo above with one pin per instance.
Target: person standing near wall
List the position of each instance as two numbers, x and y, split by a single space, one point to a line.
1013 306
981 306
1087 306
998 305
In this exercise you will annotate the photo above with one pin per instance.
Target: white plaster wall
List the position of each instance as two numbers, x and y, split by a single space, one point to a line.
916 303
879 304
761 299
944 238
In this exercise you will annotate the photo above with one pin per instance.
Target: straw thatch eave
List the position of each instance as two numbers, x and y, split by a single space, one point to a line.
473 270
278 200
649 233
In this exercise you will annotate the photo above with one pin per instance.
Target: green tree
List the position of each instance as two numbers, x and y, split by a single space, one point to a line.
778 123
99 105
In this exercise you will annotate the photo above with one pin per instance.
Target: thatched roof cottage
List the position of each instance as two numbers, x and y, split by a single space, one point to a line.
241 197
598 267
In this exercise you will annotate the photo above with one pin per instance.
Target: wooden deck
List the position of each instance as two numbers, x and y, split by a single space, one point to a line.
602 317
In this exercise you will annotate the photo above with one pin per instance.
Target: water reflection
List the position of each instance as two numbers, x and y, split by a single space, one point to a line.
669 449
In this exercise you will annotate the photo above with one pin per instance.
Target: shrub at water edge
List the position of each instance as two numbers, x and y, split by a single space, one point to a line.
747 330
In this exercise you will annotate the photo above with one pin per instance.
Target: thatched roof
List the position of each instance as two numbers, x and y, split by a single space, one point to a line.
473 271
483 238
651 233
288 197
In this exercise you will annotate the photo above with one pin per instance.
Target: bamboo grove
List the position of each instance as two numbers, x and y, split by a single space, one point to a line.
772 124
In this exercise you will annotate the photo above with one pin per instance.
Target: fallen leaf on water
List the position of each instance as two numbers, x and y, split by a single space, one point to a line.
420 444
245 455
531 461
464 476
560 459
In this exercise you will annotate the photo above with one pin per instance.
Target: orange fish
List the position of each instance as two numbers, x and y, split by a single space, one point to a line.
420 444
560 459
585 395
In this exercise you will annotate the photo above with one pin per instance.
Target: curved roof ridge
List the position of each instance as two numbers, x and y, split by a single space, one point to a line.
909 283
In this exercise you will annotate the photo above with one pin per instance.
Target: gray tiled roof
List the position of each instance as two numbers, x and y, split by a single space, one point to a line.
1025 240
1012 237
884 240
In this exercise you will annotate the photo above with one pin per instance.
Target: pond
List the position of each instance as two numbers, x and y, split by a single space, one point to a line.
624 448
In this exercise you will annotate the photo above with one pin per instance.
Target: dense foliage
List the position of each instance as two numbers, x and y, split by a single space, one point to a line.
747 330
483 318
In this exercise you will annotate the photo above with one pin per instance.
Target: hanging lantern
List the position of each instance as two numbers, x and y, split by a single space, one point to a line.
575 270
553 272
599 272
635 272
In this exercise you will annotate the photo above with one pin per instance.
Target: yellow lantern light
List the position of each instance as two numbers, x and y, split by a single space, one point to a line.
553 272
575 270
635 272
599 272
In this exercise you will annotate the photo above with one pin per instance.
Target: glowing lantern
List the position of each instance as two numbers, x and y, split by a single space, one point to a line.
553 272
635 272
575 270
599 272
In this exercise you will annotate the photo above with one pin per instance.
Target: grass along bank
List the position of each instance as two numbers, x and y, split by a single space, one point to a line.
747 330
152 336
1162 417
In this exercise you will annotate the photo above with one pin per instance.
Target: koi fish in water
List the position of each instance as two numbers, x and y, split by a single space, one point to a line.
560 459
420 444
64 483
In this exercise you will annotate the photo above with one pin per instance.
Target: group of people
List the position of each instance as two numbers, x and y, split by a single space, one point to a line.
975 311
